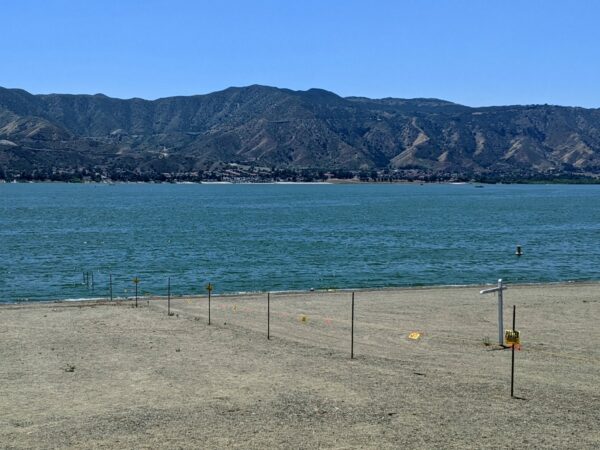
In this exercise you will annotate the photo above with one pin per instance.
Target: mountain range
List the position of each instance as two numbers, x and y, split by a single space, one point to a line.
260 126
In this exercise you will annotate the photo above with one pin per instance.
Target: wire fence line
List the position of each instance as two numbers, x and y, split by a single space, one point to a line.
381 328
320 318
386 324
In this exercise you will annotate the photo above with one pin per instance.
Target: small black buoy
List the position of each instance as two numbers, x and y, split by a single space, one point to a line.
519 251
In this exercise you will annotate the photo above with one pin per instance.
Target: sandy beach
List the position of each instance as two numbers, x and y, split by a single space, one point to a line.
109 375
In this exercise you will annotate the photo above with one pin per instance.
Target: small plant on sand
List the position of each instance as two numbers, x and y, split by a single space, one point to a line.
69 368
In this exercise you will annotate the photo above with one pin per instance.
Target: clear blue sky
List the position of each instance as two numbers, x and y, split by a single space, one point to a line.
478 52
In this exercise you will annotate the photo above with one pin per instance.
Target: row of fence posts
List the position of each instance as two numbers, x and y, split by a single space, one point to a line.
209 288
88 279
512 369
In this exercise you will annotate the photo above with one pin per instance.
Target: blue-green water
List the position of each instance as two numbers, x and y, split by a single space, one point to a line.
280 237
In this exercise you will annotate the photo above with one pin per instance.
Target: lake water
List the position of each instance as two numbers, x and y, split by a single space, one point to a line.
286 237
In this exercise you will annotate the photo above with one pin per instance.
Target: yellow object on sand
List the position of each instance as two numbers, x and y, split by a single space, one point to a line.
415 335
512 337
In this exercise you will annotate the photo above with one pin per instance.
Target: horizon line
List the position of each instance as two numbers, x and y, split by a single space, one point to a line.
100 94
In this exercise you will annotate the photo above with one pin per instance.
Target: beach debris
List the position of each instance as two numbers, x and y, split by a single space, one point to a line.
414 335
69 368
328 321
303 318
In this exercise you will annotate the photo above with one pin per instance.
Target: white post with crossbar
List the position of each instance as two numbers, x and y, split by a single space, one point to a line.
498 289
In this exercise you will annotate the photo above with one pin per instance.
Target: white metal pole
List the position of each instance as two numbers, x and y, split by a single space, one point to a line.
500 314
499 289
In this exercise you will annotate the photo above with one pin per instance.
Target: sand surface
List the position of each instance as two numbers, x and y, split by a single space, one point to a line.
98 375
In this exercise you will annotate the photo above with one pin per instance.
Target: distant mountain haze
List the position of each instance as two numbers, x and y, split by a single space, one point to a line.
281 128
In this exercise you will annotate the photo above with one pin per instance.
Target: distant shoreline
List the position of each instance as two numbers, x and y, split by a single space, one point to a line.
591 181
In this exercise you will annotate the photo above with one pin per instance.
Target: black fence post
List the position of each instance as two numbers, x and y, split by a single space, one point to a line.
136 280
512 367
352 330
169 297
209 288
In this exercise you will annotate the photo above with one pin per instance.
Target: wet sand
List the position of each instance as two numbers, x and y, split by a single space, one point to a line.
108 375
